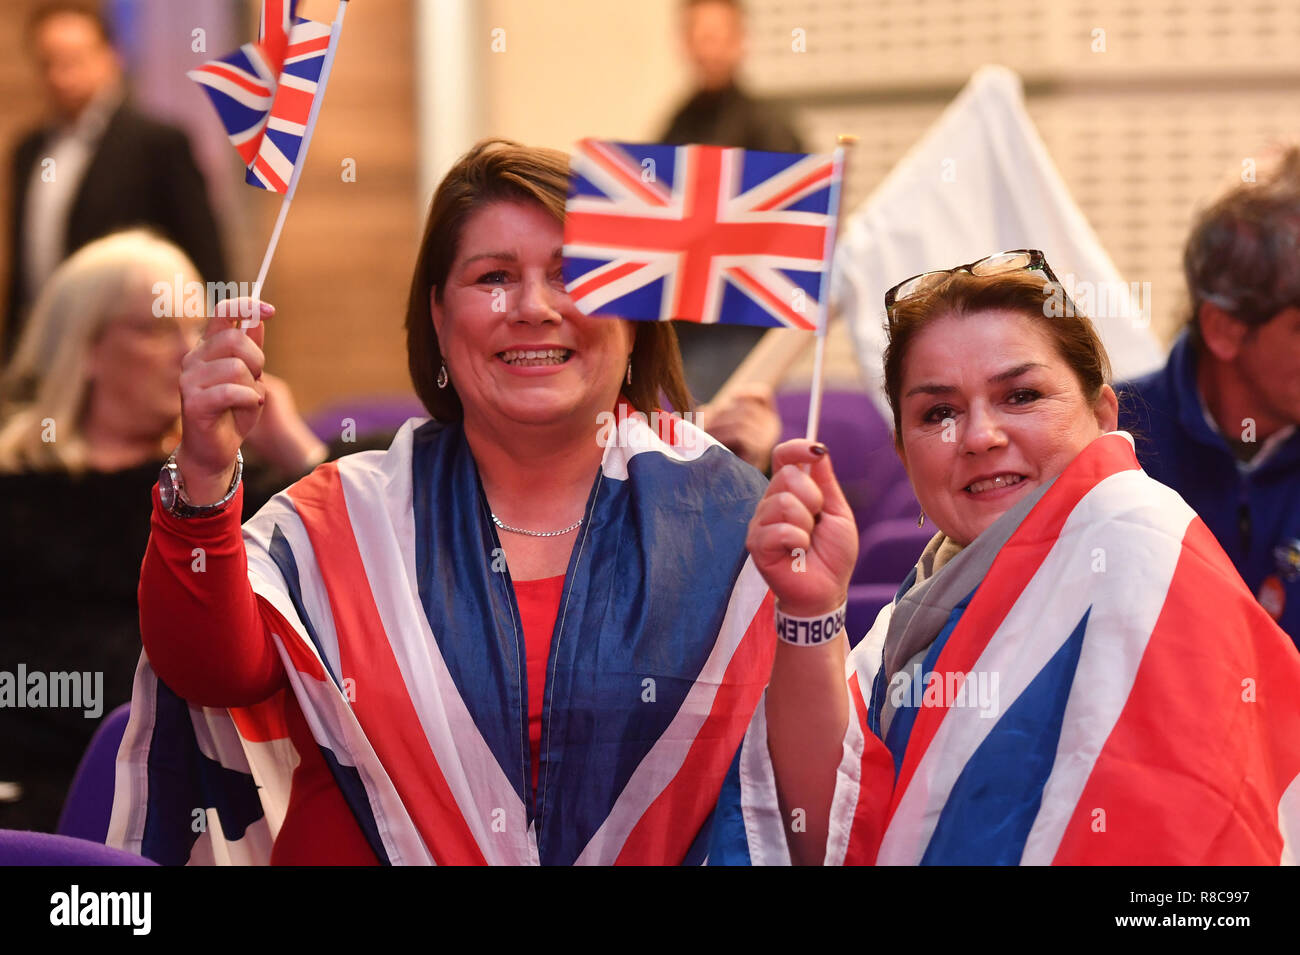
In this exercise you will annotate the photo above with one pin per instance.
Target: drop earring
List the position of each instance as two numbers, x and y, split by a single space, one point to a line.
629 371
920 520
442 376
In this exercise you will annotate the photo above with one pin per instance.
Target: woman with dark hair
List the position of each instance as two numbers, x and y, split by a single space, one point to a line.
1072 673
516 636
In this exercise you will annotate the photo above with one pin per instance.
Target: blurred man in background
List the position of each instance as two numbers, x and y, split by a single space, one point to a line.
1218 423
720 113
97 166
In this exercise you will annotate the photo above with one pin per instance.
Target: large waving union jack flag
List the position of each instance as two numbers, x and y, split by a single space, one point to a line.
700 233
263 92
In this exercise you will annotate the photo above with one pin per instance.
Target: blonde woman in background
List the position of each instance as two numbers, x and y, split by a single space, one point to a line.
91 410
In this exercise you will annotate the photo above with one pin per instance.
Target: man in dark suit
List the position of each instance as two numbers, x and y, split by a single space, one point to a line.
98 166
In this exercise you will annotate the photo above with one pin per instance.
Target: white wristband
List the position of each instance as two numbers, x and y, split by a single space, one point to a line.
811 631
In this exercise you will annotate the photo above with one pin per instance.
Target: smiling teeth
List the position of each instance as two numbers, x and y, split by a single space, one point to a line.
1002 480
541 356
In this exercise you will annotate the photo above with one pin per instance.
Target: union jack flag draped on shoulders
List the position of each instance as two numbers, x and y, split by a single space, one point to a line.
1101 689
700 233
402 642
263 92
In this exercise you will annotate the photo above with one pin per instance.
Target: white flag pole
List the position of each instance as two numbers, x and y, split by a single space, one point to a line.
335 29
844 143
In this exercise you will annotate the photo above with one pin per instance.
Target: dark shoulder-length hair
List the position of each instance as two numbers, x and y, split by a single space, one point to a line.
495 170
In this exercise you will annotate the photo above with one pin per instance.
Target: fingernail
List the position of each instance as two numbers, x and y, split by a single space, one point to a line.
261 401
267 308
818 449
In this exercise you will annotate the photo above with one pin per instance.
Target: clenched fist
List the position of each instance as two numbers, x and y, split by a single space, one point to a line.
221 396
803 537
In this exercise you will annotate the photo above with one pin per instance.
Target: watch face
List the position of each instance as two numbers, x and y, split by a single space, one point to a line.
167 489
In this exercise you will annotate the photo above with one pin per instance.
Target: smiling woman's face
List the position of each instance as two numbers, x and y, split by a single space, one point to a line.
516 348
989 411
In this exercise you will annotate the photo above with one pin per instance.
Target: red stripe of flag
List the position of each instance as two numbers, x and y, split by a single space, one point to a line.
823 172
235 76
759 290
600 281
704 236
620 166
303 47
703 186
262 722
664 834
383 705
875 786
1194 769
264 167
248 148
292 105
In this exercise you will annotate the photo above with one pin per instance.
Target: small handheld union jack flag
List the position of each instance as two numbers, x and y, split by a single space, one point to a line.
701 233
268 95
264 92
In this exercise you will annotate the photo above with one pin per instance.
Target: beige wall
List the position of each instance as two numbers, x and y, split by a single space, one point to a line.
340 276
575 68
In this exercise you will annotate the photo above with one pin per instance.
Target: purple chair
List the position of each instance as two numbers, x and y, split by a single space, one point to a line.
860 440
370 413
89 803
20 847
865 602
887 551
899 501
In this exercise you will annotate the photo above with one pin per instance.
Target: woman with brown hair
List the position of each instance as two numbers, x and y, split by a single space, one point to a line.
1072 673
516 636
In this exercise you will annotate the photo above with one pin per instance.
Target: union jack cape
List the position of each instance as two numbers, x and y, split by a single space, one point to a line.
700 233
406 656
1146 709
263 92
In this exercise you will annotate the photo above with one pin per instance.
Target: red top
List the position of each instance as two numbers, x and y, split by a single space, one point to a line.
224 656
539 605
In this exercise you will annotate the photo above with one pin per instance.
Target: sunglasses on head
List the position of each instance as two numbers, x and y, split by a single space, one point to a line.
1017 260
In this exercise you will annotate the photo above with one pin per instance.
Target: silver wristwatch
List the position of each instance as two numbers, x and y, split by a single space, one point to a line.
171 490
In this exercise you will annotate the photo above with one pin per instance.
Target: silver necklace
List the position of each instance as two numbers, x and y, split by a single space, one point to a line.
520 530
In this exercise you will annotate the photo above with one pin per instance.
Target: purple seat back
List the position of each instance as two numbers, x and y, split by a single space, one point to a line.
89 803
19 847
369 412
860 440
887 551
865 603
899 502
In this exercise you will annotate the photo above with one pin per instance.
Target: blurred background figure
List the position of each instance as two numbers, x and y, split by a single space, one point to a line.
96 165
92 408
1219 422
721 113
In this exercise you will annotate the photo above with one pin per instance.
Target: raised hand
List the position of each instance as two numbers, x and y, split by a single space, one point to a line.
221 396
803 537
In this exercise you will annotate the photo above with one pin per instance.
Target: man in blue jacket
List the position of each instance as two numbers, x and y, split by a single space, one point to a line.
1218 423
